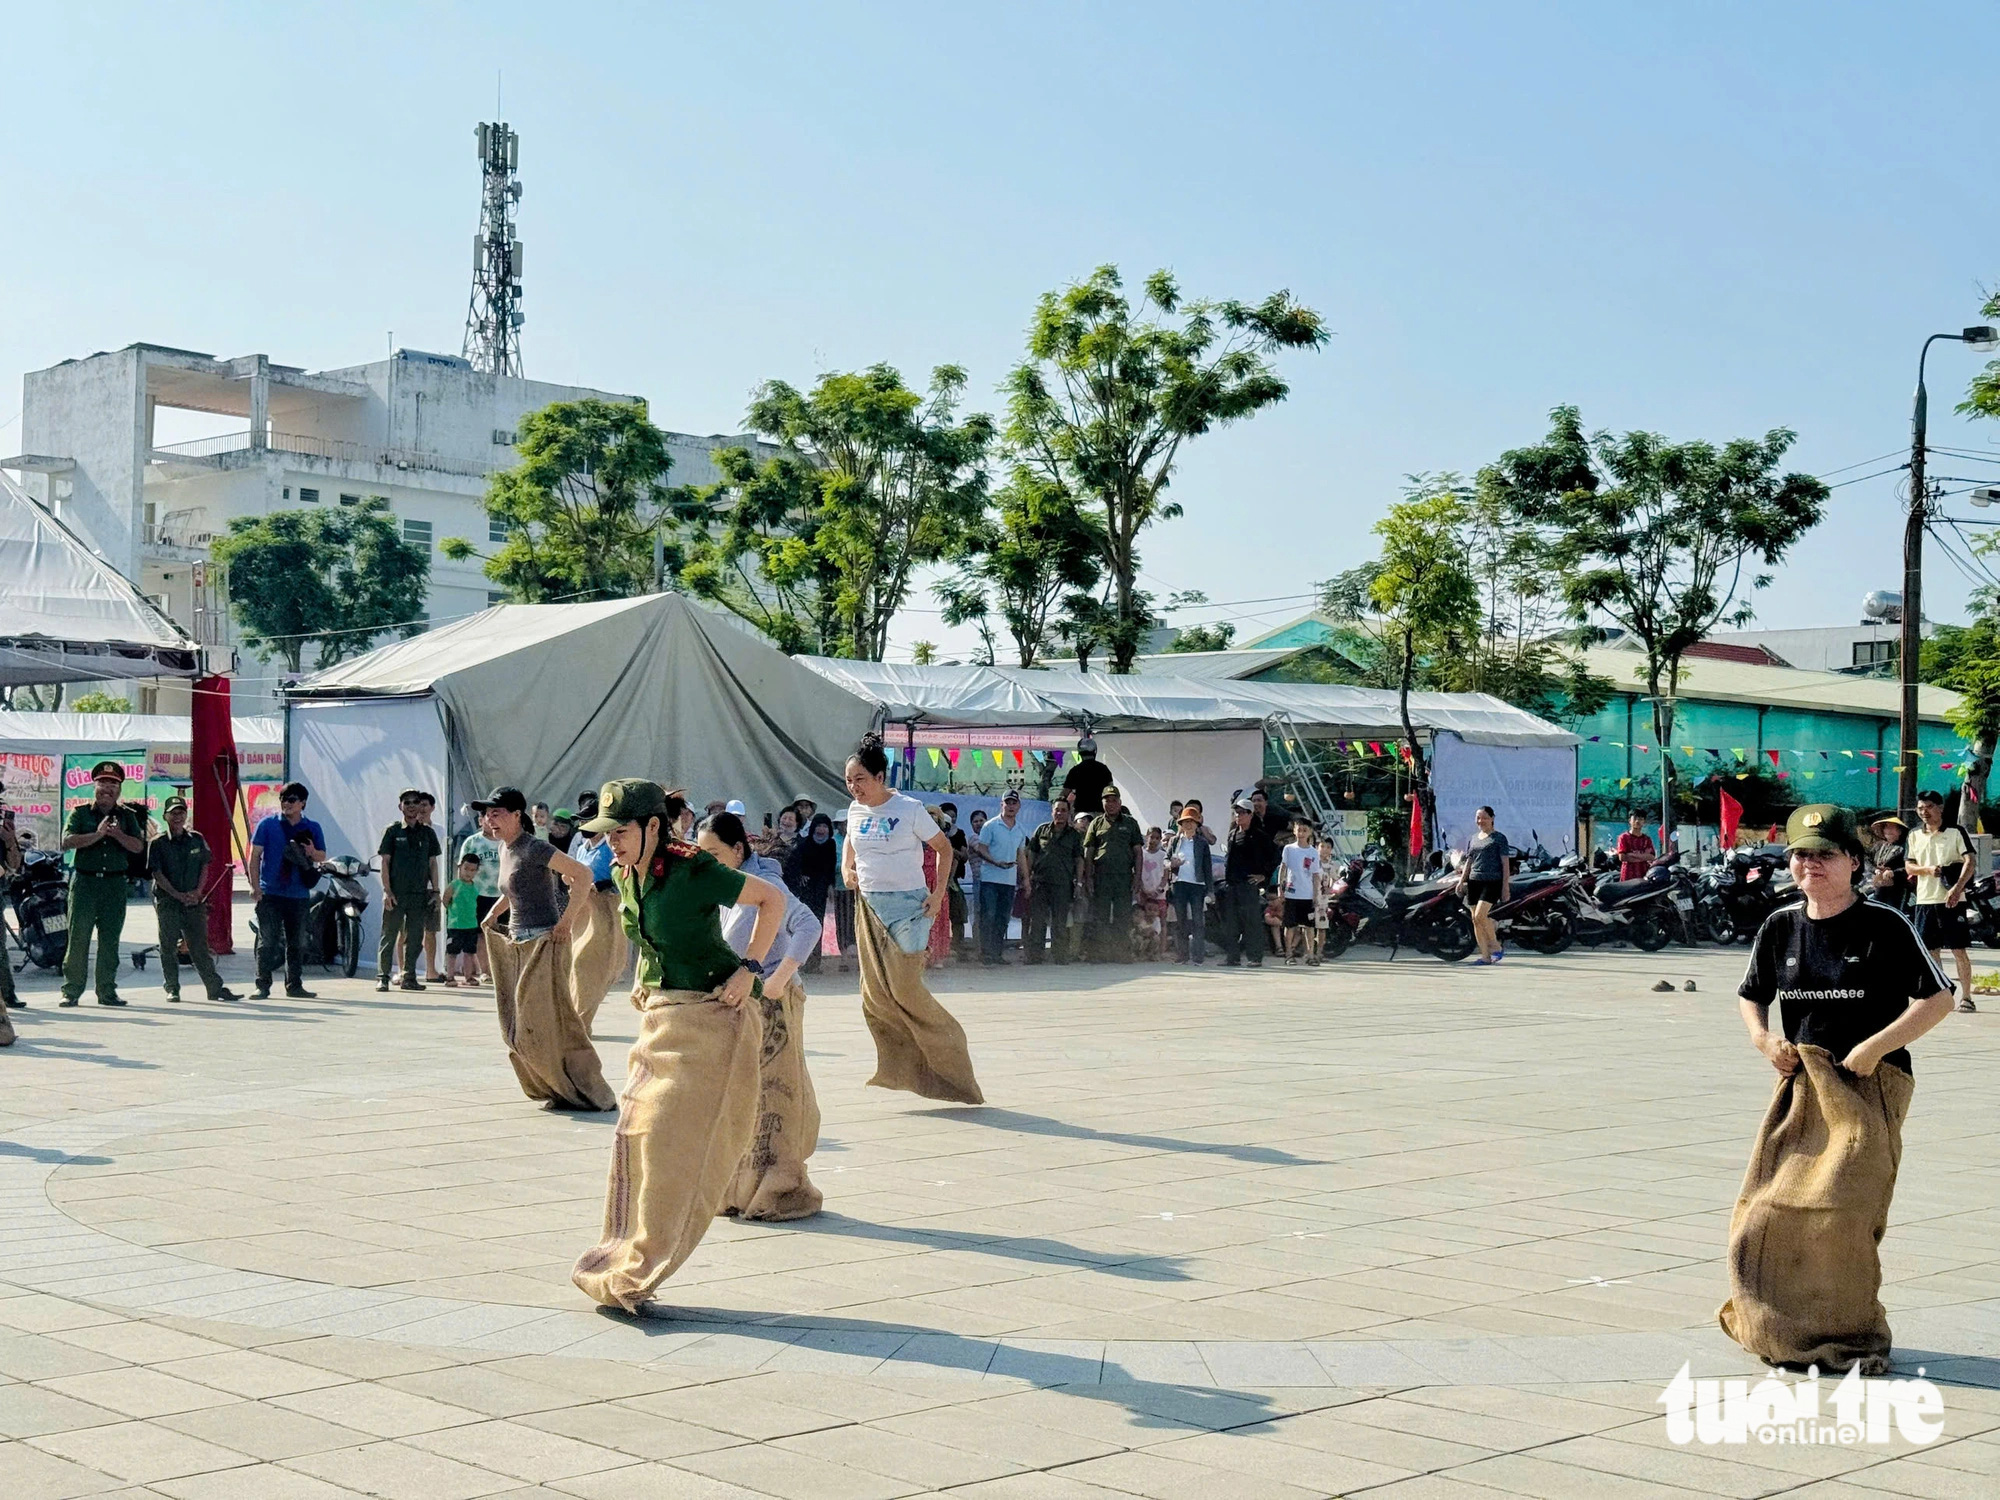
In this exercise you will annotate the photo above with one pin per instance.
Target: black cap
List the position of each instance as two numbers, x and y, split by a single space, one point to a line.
107 770
586 805
507 798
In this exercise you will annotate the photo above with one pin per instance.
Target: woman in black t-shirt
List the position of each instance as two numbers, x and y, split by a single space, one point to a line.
1854 987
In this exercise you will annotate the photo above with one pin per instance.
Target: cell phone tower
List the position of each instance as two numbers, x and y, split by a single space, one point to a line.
493 320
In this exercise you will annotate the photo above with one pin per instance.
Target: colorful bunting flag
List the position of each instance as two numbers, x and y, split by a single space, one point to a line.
1774 756
952 756
1019 759
934 757
1585 782
999 758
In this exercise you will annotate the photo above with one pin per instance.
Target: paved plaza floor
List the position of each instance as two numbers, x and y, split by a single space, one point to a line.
1399 1230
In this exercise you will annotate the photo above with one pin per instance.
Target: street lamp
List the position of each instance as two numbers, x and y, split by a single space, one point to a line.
1983 338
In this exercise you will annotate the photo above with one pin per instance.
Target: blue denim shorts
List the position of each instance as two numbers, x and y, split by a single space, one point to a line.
902 912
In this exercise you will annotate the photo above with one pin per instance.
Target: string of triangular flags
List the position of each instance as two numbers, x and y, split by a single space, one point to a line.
1820 761
953 755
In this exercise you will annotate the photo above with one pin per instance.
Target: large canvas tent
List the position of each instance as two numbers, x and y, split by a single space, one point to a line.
66 615
1167 737
555 699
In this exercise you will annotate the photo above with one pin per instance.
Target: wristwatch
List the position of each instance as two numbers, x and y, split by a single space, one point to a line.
753 966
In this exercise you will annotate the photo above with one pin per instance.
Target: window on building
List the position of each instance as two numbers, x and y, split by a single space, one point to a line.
310 497
1875 653
417 533
498 530
350 499
288 492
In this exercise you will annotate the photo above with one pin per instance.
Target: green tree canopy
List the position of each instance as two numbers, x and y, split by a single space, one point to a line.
582 507
1108 395
97 701
751 543
336 579
1039 549
1664 539
902 484
1217 637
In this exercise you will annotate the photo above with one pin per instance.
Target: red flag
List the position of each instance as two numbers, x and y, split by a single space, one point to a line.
1416 828
1374 747
1774 756
1732 814
1968 807
212 764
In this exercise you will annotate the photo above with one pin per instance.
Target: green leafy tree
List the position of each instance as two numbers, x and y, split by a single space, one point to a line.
902 484
924 653
99 702
336 580
1040 549
581 508
1664 539
1966 659
1108 395
1218 637
1424 594
752 543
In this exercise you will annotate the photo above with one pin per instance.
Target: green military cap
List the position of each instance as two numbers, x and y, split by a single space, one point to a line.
107 770
631 799
1821 827
173 804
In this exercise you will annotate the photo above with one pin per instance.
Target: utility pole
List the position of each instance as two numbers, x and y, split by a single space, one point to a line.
1913 564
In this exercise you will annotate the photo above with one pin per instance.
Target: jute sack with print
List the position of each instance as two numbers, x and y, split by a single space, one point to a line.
6 1024
771 1181
598 953
1805 1272
686 1118
547 1043
919 1047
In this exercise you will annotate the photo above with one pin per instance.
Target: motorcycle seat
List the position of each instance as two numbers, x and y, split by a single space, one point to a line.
1402 898
1612 892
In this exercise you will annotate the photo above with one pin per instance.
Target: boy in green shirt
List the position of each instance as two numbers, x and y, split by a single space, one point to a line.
461 925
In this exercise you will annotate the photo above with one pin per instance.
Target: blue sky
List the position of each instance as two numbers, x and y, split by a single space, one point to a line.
1702 220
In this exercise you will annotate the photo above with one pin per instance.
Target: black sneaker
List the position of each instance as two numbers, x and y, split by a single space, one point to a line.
111 1000
225 993
382 985
262 992
173 997
66 1004
299 992
411 984
15 1002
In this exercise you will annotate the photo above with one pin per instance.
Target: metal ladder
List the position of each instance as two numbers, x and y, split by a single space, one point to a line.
1301 768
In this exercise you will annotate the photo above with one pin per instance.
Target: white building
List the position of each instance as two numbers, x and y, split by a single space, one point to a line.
422 430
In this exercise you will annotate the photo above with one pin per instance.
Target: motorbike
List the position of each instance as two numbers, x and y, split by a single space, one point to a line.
1538 913
1982 910
1369 906
39 895
333 914
1750 885
1643 912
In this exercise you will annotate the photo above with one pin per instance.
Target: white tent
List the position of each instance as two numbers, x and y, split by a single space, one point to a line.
66 615
1167 737
558 698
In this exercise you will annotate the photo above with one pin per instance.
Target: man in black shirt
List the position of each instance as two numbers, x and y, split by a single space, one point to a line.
954 892
1086 781
1249 857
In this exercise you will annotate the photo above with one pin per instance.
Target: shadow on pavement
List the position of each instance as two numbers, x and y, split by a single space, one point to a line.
1015 1247
69 1050
1026 1124
51 1158
1941 1368
1155 1404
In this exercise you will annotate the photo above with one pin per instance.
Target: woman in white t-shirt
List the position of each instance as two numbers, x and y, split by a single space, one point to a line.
918 1046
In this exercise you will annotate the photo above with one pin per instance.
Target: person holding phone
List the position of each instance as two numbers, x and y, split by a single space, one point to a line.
1940 861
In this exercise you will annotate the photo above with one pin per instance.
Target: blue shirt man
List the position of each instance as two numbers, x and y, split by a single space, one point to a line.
999 844
281 893
276 875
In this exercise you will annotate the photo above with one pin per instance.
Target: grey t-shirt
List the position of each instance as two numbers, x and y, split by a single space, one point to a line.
526 883
1486 856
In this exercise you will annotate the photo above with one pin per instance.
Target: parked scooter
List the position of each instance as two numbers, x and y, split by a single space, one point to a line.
333 914
1369 906
1982 910
39 894
1640 912
1751 885
1538 912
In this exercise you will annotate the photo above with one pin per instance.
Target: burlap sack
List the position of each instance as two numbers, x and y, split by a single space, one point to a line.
598 953
1804 1269
686 1117
919 1048
771 1181
547 1043
6 1022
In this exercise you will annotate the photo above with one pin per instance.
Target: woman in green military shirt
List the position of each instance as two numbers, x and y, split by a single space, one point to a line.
689 1110
105 835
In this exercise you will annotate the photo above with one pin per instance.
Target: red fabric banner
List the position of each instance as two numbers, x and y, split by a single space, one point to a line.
212 765
1417 849
1732 815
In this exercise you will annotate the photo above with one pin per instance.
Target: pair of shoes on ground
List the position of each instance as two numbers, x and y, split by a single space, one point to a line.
382 985
111 1000
225 993
298 992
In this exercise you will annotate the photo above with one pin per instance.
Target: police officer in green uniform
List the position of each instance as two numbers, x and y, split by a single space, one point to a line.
1111 846
178 862
1054 852
105 836
410 851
